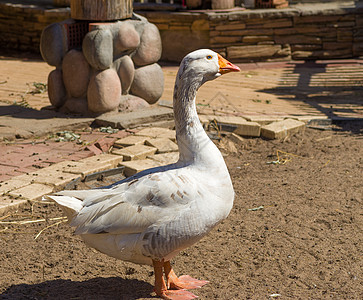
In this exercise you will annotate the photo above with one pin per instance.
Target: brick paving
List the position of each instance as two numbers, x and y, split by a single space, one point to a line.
30 155
34 161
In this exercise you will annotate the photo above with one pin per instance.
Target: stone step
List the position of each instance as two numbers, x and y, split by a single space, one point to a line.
165 158
157 132
282 129
135 118
135 166
130 140
135 152
162 145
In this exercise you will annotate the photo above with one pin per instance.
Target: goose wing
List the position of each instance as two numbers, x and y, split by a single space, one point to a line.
135 204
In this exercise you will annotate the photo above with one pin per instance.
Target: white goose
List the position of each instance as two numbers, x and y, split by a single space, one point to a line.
150 217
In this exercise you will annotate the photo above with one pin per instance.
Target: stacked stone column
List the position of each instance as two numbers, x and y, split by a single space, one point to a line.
115 69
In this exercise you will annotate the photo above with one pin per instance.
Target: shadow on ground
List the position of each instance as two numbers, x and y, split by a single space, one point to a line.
334 88
21 112
96 288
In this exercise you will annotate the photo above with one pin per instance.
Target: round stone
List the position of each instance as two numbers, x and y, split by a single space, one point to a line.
76 73
52 45
76 105
97 48
126 71
56 89
131 103
148 83
126 38
150 47
104 91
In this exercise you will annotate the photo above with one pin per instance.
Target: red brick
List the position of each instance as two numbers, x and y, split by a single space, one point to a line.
12 159
80 155
119 135
28 161
31 149
92 137
6 149
93 149
6 169
105 143
54 154
132 130
29 169
14 173
54 159
39 165
4 177
67 146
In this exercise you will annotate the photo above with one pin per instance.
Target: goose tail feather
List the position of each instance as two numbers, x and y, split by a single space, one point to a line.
70 205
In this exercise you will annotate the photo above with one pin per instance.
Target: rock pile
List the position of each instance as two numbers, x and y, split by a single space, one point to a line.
115 69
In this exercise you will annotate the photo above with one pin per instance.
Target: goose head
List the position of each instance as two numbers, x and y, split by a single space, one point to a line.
204 65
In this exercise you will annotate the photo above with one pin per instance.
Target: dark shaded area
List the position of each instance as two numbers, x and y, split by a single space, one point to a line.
96 288
334 88
22 112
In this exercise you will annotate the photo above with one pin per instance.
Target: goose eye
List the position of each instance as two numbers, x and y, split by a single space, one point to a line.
209 57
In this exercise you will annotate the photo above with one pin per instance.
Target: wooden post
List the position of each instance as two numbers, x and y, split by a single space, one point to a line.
101 10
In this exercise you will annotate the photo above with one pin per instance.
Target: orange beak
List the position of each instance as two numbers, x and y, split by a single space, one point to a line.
225 66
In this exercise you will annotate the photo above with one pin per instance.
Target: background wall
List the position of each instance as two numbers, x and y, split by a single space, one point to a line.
302 32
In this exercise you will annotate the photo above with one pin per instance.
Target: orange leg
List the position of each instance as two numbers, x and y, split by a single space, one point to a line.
160 286
182 282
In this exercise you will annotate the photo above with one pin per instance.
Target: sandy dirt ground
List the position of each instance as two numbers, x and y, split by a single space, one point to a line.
295 232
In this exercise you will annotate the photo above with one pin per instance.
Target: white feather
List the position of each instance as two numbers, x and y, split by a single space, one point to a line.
158 212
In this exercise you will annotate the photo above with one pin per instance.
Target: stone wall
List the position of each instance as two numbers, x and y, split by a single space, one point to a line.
21 25
330 30
310 32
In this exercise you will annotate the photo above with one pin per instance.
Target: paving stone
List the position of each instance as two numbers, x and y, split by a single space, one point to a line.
165 158
263 120
54 178
135 152
9 133
84 168
206 119
113 160
134 118
105 144
162 145
307 119
79 155
278 130
32 191
244 128
8 204
130 141
157 132
120 134
23 170
4 169
15 183
235 138
4 177
58 167
95 150
135 166
91 137
170 124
